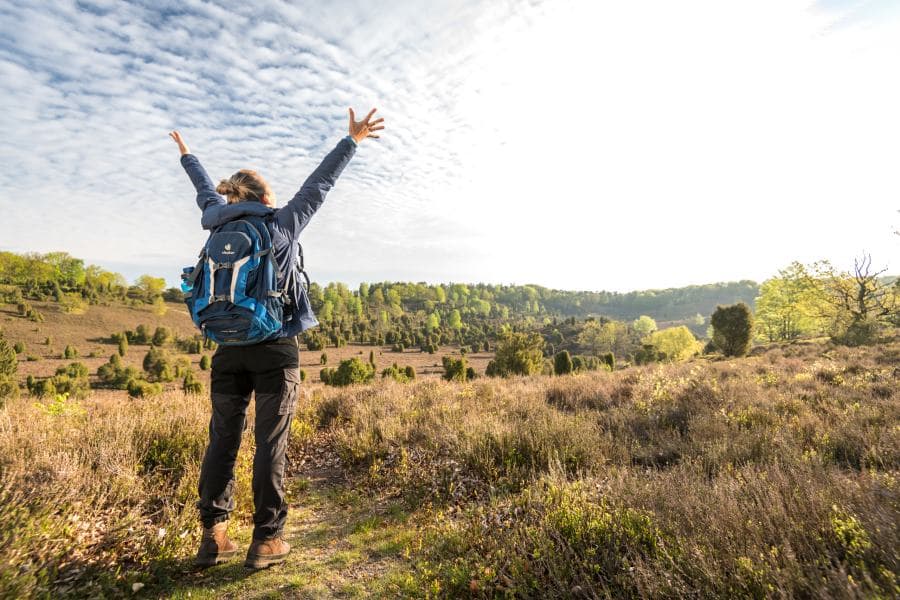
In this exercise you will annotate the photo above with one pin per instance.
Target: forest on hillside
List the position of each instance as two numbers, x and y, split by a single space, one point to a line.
57 274
591 327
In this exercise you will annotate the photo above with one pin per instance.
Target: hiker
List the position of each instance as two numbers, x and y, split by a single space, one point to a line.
271 368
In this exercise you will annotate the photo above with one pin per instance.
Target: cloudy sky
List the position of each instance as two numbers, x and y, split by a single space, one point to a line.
576 144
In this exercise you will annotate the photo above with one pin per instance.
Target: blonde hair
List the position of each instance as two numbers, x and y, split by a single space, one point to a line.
245 185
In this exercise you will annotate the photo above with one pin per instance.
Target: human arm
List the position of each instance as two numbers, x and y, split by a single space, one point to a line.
295 215
206 191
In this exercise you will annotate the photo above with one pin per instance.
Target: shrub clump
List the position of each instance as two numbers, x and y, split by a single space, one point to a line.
399 374
191 385
70 380
138 388
348 372
562 363
517 354
732 329
161 336
9 364
116 375
456 369
158 365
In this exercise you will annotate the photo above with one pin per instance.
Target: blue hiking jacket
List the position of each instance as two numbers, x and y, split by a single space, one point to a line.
284 228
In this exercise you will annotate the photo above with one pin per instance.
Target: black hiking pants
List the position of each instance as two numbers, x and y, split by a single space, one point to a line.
272 370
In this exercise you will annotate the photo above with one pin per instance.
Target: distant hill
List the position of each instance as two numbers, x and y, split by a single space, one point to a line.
59 275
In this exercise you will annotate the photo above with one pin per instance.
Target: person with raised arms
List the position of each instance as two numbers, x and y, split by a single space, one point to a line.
250 357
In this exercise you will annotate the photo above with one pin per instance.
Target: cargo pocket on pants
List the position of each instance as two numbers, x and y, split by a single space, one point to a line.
289 390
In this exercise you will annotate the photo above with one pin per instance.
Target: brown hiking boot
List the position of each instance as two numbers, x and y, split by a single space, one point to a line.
265 553
215 547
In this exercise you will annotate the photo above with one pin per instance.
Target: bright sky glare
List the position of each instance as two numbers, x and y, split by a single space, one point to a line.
576 144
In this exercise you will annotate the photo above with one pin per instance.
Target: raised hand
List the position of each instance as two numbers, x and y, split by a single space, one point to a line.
360 130
181 145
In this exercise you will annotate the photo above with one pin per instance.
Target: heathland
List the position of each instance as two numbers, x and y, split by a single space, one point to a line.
527 452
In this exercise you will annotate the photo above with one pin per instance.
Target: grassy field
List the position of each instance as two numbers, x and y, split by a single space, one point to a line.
768 476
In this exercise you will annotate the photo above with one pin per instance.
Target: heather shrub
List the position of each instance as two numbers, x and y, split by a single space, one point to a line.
78 508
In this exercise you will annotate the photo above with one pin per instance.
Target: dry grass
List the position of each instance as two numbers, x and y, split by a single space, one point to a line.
774 475
768 476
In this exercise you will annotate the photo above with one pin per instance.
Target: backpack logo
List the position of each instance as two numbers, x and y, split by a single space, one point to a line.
227 249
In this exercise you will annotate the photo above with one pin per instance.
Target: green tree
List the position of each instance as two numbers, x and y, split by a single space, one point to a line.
790 305
159 306
644 326
69 271
861 302
518 354
454 321
675 343
123 346
598 338
150 287
732 329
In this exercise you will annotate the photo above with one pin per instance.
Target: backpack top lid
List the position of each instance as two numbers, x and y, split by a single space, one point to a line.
219 215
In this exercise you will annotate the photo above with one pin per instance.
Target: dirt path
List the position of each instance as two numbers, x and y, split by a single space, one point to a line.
346 543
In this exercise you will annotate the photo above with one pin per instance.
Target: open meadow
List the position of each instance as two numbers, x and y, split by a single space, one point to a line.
773 475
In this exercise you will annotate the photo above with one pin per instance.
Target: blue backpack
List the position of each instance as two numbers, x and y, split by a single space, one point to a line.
232 293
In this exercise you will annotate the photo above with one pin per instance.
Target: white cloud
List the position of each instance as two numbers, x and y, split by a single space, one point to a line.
569 143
